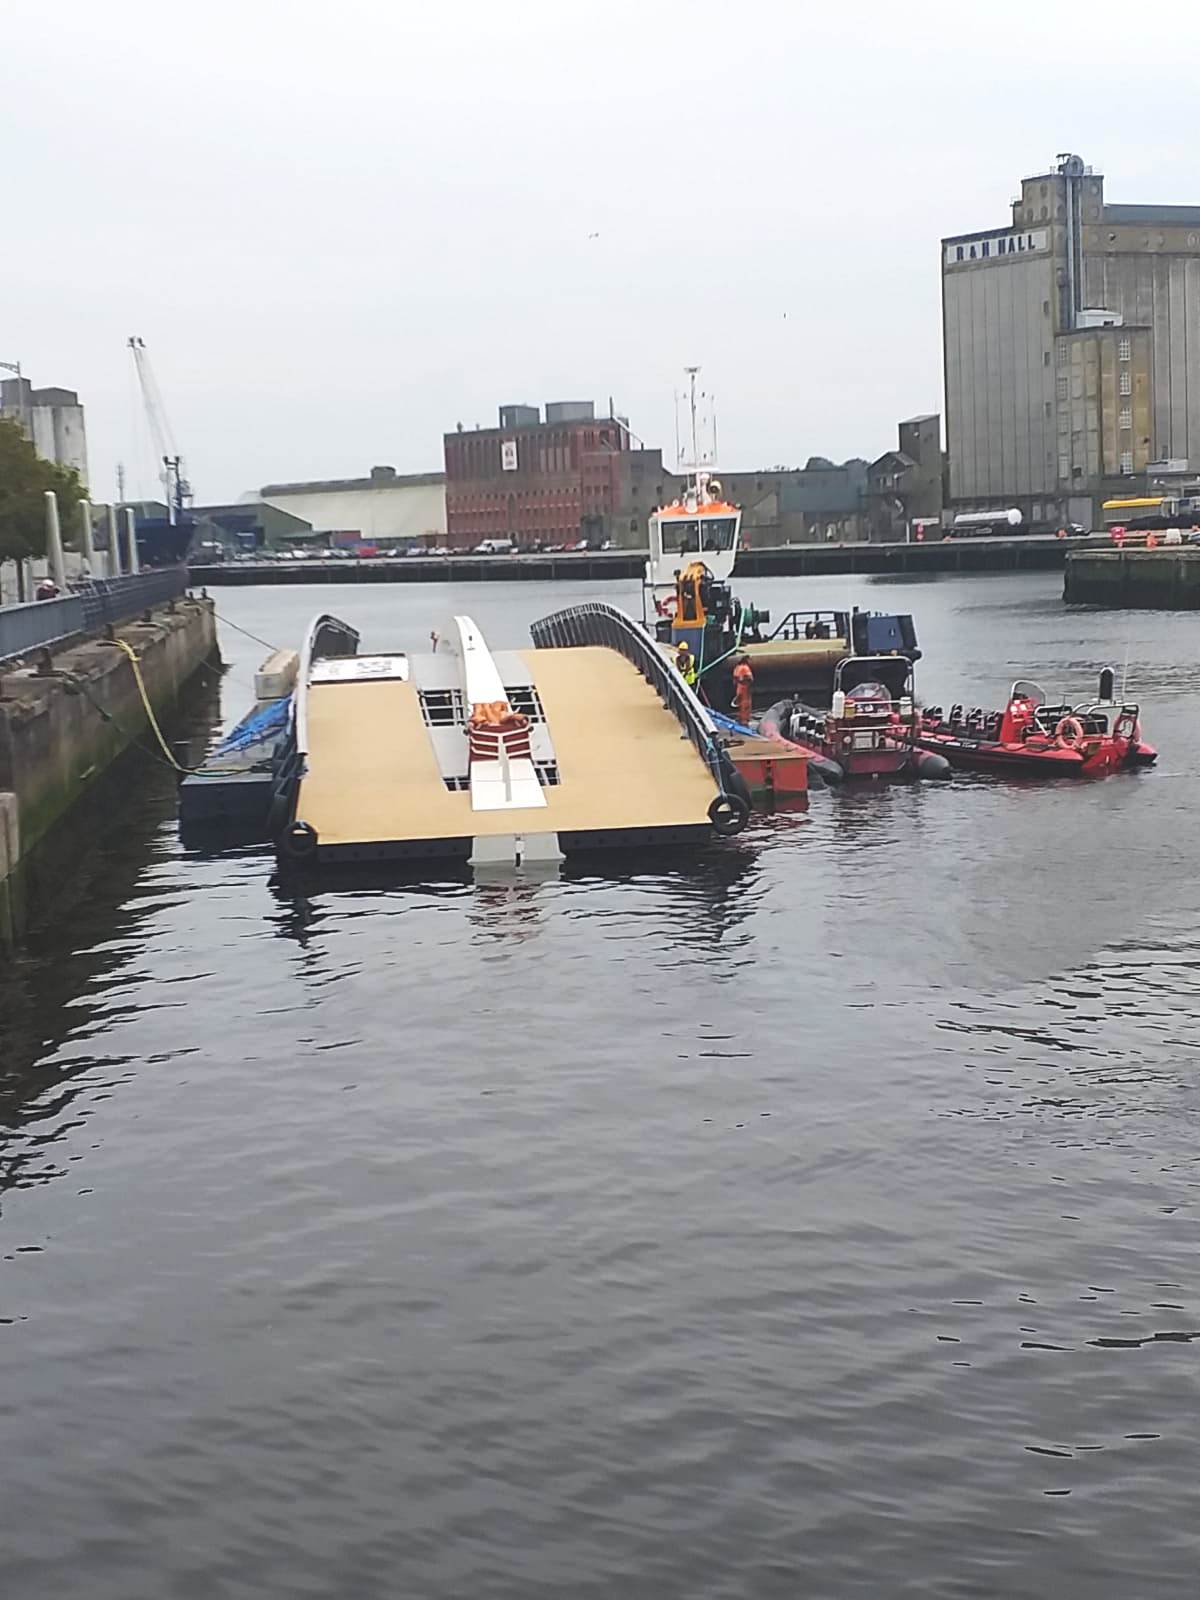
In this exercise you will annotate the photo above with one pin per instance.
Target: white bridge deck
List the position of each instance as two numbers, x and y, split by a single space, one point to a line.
623 762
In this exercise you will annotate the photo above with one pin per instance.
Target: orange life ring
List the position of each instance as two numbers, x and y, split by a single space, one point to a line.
1072 727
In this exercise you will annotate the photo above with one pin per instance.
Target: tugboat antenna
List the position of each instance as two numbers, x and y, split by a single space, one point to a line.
691 372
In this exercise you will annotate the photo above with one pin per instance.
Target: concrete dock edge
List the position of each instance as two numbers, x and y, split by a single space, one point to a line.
61 728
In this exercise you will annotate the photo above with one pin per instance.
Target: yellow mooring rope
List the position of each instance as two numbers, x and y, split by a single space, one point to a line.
153 720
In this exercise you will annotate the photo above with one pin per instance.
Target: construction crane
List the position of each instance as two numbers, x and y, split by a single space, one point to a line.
177 491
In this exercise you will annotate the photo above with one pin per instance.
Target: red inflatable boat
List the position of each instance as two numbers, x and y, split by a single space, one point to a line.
869 731
1032 737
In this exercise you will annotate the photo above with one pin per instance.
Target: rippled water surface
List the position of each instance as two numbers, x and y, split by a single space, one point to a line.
816 1220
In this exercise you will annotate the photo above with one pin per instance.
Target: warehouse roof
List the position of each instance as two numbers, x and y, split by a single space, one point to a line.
1169 216
380 478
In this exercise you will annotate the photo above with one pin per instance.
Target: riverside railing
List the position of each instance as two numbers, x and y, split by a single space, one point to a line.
89 608
595 623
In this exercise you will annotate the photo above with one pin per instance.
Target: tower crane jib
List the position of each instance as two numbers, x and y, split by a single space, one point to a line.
176 488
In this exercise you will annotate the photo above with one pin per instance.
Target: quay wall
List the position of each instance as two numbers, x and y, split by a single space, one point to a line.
1167 579
60 729
809 560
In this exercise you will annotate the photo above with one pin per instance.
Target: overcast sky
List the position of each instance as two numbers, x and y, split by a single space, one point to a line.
343 227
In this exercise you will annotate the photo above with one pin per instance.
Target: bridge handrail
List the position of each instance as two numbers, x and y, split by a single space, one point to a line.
88 608
326 636
594 622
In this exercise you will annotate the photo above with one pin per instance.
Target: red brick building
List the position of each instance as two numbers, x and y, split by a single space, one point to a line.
535 482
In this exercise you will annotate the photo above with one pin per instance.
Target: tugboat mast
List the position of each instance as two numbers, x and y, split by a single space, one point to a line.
694 492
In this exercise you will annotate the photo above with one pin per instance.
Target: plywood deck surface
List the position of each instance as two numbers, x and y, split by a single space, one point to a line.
819 648
622 758
757 749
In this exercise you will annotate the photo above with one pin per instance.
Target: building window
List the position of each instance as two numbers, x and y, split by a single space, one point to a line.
1045 308
1125 350
1125 420
1064 354
1064 467
1062 386
1045 358
1126 462
1126 383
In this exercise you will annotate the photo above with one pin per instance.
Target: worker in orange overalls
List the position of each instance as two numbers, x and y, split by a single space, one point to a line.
743 689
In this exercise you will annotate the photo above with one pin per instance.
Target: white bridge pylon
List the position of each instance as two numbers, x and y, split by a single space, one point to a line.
502 774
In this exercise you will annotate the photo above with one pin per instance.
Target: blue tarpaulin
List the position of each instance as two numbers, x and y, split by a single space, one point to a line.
258 726
726 724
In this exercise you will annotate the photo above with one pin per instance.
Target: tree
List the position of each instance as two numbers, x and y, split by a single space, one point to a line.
24 479
817 463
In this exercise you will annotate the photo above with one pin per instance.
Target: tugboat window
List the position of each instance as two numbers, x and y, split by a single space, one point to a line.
686 537
718 533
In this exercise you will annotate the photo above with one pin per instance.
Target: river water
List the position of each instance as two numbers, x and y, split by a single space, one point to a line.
819 1220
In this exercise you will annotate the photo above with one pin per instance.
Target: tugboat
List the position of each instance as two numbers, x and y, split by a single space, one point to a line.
1030 736
870 730
687 600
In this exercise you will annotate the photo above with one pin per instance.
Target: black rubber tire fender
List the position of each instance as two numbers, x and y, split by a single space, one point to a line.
299 842
728 814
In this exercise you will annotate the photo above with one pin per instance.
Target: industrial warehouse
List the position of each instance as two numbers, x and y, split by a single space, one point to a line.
1072 351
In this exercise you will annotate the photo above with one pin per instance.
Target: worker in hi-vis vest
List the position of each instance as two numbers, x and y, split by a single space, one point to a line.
686 662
